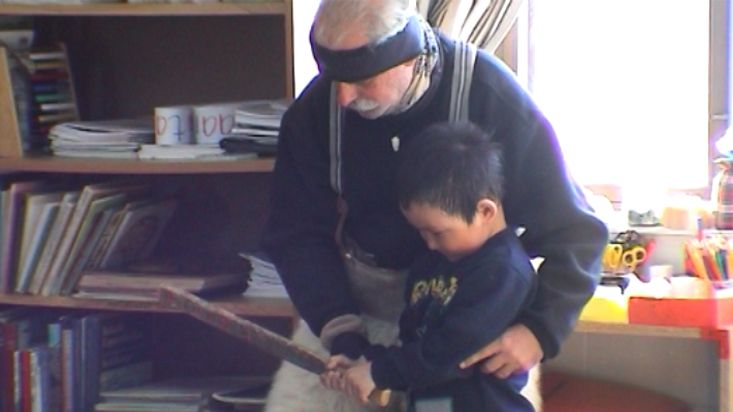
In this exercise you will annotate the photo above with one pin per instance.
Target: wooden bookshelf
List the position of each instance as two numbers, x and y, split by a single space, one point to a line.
124 66
106 43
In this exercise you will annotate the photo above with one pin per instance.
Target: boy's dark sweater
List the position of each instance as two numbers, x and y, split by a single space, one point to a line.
454 309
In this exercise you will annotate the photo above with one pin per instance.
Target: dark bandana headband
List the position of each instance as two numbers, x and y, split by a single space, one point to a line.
367 61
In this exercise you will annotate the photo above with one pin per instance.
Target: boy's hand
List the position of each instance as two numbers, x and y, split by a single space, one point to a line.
354 377
332 378
358 382
339 362
516 350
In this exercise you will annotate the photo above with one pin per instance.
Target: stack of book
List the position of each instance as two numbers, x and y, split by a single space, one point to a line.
145 286
118 138
50 234
181 394
257 125
61 361
264 280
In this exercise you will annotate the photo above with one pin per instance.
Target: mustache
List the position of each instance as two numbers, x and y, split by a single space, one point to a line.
363 105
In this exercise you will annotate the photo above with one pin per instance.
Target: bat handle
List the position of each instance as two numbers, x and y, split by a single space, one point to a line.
380 397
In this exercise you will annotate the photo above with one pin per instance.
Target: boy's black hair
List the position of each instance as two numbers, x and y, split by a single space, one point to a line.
451 166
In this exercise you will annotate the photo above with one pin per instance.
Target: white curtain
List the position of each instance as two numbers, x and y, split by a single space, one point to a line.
484 23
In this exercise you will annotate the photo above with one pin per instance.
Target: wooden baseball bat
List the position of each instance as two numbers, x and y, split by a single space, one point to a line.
260 337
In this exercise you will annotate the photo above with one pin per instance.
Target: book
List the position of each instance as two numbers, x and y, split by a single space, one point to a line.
70 364
21 389
149 284
195 390
126 375
138 233
100 249
70 273
21 330
8 345
33 65
85 253
139 130
68 201
264 280
40 378
91 354
40 54
54 282
56 117
124 351
41 210
13 210
146 407
53 342
57 106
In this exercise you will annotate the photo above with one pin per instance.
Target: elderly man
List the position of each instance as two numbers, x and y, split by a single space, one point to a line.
335 231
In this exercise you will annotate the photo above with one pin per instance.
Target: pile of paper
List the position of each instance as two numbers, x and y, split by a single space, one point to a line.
188 151
264 280
119 138
257 125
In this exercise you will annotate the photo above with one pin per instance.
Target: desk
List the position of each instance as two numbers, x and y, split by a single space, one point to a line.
689 363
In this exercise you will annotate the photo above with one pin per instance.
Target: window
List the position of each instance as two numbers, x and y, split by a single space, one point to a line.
626 85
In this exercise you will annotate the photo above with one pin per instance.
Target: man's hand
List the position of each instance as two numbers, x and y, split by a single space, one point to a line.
516 350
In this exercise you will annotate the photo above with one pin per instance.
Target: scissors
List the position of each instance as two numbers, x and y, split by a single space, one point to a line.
633 257
617 258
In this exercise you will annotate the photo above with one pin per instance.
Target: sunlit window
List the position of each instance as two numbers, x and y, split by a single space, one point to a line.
625 84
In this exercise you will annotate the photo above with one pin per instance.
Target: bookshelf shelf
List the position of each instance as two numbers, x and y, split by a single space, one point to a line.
241 305
131 166
125 9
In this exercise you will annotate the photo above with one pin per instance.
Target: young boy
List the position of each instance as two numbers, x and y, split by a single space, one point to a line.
463 294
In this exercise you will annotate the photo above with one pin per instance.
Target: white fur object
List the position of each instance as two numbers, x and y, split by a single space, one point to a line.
297 390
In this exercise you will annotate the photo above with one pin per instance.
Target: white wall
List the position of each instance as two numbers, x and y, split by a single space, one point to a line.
303 64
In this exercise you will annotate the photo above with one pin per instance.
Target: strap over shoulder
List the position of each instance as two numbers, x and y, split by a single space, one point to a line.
465 58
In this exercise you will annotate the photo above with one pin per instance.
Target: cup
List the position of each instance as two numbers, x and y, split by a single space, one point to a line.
173 125
213 122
